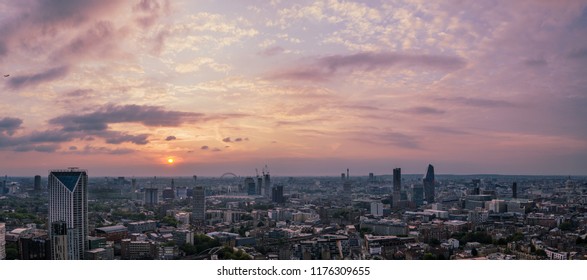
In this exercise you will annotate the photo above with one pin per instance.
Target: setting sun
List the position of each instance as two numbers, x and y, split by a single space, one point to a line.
170 160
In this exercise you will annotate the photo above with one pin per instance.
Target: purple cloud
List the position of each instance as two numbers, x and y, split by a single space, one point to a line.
170 138
9 125
52 74
326 67
271 51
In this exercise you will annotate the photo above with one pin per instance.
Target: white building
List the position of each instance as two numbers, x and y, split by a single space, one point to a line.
2 241
377 209
68 213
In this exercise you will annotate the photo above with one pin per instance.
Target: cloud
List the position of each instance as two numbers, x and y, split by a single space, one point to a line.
578 54
115 137
108 114
104 150
9 125
238 139
170 138
204 148
535 62
326 67
478 102
37 148
78 93
227 140
72 148
33 20
52 74
422 110
216 150
271 51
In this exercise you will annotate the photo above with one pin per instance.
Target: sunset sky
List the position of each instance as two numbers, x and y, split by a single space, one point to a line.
306 87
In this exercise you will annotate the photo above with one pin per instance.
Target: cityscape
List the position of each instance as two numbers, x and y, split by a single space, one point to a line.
293 130
72 216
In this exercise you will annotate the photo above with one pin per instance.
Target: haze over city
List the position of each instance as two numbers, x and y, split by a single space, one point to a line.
306 87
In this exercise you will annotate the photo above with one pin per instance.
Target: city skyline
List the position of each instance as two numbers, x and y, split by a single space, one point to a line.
167 88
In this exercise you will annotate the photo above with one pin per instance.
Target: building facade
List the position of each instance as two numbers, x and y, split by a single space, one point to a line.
68 212
2 241
199 205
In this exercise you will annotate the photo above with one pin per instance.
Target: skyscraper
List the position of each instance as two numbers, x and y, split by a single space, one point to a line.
277 194
151 196
397 186
250 186
37 183
68 208
199 205
515 190
2 241
429 183
267 182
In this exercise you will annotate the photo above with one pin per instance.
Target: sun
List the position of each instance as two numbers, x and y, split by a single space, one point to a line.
170 160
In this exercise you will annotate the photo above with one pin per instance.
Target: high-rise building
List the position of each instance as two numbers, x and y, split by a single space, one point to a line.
260 185
151 196
342 176
417 194
199 205
277 194
250 186
37 183
68 207
2 241
515 190
429 184
371 178
267 182
397 186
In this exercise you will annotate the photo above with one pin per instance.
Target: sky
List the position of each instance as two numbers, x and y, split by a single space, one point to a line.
304 87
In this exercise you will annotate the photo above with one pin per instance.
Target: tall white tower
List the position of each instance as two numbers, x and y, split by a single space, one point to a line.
68 213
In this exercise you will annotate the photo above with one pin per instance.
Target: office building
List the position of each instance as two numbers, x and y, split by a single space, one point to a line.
250 186
37 185
267 182
199 205
68 212
515 190
277 194
2 241
429 184
151 196
397 186
34 246
377 209
417 194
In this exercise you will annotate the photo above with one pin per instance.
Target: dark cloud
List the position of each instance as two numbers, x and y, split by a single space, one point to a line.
9 125
104 150
32 20
535 62
271 51
422 110
446 130
238 139
51 136
216 150
578 54
204 148
72 148
326 67
170 138
146 115
115 137
52 74
478 102
149 11
392 138
37 148
227 140
79 93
